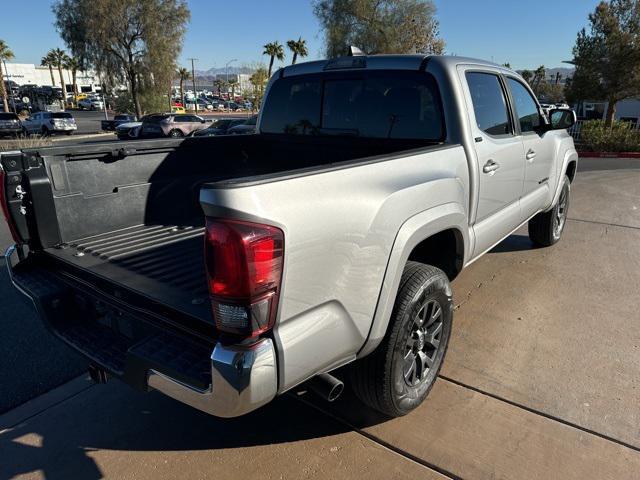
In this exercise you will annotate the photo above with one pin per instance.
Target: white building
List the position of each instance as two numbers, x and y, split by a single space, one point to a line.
30 74
242 80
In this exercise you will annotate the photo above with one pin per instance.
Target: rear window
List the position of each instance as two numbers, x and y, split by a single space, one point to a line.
8 116
60 115
403 105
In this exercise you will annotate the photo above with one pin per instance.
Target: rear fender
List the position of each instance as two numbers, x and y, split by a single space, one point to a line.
416 229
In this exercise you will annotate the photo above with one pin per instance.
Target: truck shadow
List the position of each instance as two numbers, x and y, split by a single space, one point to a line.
72 439
514 243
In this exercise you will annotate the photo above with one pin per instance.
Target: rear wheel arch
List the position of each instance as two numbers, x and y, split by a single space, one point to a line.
571 170
444 250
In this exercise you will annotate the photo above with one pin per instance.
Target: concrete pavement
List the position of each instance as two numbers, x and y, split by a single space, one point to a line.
540 381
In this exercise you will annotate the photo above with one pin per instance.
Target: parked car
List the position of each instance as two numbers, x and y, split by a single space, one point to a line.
91 103
202 104
226 106
171 125
47 123
10 124
244 128
219 127
226 271
178 109
111 125
129 130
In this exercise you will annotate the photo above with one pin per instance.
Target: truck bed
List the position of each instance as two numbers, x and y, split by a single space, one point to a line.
162 262
127 215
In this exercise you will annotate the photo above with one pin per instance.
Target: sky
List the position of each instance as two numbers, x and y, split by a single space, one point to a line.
524 33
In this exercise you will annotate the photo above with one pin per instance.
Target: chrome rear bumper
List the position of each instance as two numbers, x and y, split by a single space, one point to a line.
242 379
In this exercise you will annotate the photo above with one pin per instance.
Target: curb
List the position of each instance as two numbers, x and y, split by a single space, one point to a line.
43 402
609 154
81 136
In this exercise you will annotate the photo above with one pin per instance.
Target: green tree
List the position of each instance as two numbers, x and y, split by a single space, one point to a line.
607 56
273 50
258 81
183 75
233 83
59 58
527 75
5 54
47 61
506 64
298 47
132 41
379 26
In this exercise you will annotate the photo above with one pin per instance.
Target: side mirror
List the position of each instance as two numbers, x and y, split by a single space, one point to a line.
561 118
202 121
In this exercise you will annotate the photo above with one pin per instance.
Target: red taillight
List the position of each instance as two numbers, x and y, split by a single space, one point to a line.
244 271
5 207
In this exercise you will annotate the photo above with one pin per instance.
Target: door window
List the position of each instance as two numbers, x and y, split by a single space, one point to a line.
526 106
489 103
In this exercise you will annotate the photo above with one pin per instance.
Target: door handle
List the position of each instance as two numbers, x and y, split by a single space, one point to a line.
531 155
490 166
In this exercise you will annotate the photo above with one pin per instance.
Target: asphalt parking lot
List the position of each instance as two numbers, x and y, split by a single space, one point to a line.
542 380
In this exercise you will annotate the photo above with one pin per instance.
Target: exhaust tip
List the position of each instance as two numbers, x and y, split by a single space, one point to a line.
335 392
327 386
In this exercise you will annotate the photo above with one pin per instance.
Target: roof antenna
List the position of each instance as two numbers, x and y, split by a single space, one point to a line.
355 52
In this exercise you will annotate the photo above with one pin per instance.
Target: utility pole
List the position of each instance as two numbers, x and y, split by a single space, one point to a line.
193 78
13 100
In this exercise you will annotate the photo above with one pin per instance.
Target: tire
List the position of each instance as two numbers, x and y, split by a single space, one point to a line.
545 229
397 376
175 133
45 132
69 132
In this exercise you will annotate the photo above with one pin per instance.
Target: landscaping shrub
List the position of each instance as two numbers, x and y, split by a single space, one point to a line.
21 142
621 137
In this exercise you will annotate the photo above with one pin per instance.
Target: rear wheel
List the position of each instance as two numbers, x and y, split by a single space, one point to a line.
398 375
45 132
545 229
175 133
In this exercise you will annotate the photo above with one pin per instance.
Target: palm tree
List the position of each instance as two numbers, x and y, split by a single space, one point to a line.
298 47
74 65
59 58
47 61
5 54
527 75
220 84
183 75
274 50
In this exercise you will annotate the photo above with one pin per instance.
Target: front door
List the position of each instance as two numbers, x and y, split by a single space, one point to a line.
539 151
499 155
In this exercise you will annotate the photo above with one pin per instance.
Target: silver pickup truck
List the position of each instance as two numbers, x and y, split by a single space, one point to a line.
225 271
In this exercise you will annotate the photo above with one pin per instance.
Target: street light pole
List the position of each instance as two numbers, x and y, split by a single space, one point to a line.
193 78
226 67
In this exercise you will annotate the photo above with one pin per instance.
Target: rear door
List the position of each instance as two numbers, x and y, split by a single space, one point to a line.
538 148
499 155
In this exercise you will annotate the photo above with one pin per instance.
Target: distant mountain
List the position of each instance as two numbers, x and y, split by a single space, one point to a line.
212 72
